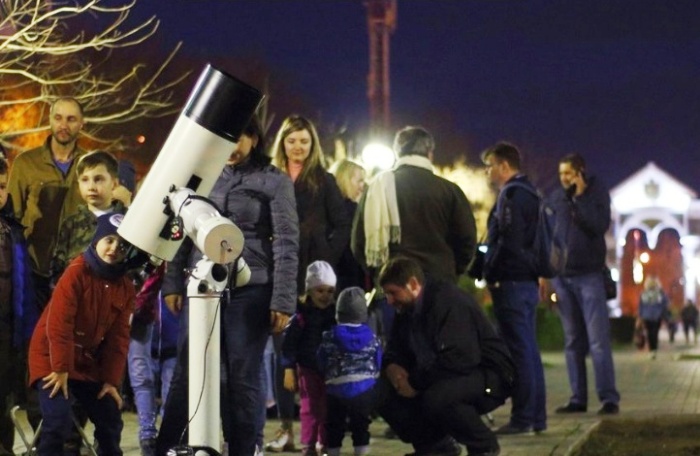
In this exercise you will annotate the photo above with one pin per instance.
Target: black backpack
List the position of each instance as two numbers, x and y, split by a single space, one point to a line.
549 251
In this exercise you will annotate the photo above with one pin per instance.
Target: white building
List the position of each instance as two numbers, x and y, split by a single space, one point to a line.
652 200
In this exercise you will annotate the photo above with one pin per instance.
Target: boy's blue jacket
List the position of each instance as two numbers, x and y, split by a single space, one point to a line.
350 357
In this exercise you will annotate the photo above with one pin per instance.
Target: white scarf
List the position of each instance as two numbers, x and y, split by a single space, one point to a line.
381 214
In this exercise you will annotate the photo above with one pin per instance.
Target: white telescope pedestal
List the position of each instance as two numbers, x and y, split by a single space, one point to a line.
204 289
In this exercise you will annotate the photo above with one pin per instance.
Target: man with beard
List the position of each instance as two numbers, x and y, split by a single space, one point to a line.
444 365
43 187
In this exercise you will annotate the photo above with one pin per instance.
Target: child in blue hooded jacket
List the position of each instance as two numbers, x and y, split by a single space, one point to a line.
350 357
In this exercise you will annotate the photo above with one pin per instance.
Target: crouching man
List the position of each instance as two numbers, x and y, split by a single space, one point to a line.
444 366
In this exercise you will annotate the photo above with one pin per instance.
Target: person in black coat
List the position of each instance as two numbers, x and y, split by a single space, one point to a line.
444 365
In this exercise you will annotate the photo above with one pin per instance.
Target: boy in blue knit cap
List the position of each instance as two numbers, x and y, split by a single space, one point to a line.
350 356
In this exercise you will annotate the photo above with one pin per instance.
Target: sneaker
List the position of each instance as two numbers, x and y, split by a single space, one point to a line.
571 407
511 429
283 441
609 408
258 451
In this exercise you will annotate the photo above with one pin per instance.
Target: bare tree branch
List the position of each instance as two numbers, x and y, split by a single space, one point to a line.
48 50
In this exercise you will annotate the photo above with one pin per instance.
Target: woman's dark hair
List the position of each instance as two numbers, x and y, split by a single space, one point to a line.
258 156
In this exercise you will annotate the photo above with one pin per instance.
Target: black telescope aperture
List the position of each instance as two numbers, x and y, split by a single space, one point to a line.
222 104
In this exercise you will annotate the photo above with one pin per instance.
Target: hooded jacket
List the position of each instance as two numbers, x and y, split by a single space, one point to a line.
350 357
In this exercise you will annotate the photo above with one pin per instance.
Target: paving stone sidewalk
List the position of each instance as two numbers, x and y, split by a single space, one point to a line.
670 384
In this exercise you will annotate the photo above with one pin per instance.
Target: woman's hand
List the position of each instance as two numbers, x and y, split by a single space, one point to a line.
174 303
290 380
58 381
111 390
278 321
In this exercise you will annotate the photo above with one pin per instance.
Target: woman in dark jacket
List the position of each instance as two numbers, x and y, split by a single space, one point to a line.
324 223
259 199
324 228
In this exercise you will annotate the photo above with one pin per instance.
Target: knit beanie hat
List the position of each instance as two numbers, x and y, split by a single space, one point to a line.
106 224
319 273
351 306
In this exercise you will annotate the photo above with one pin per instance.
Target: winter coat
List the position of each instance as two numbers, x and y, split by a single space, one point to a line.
653 304
302 337
511 234
445 335
437 224
583 221
350 357
20 308
324 224
84 330
42 198
260 201
74 236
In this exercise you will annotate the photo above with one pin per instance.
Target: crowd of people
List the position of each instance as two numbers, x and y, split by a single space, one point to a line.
79 309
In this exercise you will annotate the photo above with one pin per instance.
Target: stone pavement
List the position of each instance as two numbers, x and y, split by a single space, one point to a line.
669 384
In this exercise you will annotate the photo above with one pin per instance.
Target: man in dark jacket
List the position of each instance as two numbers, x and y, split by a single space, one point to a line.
582 207
410 211
444 365
512 281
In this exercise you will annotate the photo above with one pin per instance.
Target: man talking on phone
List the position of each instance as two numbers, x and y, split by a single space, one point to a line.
582 207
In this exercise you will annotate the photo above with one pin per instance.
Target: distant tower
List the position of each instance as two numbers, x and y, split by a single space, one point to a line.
381 22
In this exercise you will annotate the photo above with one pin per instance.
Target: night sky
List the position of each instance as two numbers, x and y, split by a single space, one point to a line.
615 80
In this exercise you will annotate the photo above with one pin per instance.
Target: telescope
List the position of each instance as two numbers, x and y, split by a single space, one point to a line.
172 203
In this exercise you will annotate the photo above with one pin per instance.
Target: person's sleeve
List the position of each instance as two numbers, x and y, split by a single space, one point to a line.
17 187
59 260
174 278
458 348
592 211
338 218
357 240
397 348
60 322
462 234
116 342
285 247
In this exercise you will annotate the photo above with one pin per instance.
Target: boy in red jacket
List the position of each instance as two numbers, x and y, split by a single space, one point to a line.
79 347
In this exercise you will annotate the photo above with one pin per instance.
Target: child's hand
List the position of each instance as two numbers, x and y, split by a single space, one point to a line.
58 381
278 321
112 391
290 380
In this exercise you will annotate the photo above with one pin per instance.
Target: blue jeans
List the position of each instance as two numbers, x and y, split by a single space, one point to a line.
56 413
143 372
584 316
515 308
245 327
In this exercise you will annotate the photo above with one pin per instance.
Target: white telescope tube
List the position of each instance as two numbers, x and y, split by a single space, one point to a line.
217 111
215 236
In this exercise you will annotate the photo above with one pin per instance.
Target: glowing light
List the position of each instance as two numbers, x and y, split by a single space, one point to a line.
553 297
376 155
615 274
140 139
644 257
637 271
480 284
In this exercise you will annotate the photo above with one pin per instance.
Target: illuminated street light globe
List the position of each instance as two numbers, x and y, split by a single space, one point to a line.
376 155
